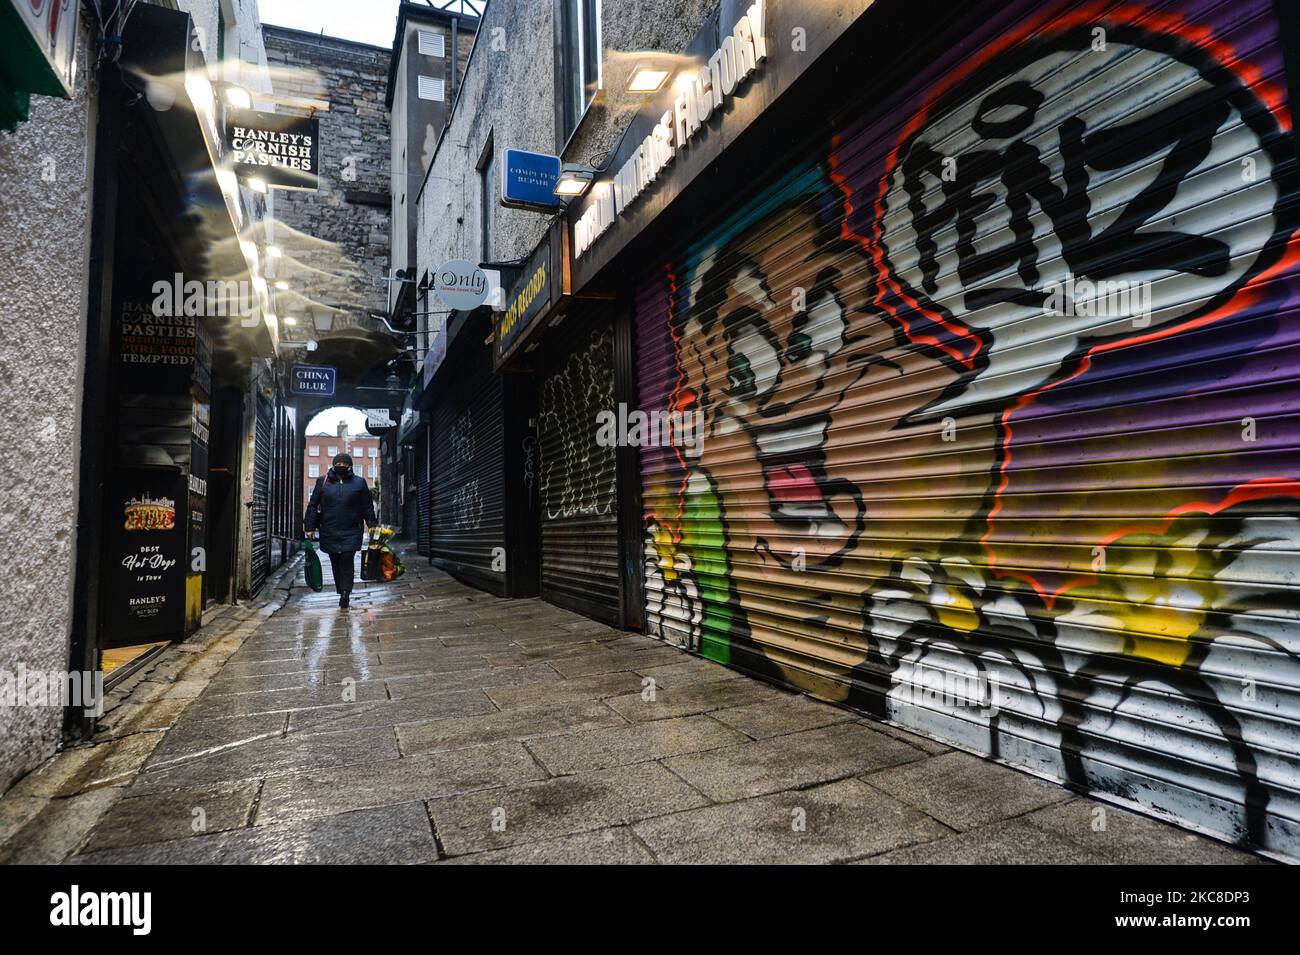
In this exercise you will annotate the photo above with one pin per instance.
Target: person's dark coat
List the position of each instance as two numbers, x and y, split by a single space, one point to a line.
336 509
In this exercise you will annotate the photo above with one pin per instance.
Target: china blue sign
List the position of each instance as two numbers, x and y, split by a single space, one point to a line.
528 180
314 380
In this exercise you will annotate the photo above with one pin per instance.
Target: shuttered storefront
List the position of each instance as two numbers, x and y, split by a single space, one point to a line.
579 510
999 411
259 514
423 515
467 498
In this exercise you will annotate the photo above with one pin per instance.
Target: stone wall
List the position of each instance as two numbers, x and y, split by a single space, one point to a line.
341 232
509 93
46 173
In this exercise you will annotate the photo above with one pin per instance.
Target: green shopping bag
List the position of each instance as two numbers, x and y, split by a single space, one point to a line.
315 577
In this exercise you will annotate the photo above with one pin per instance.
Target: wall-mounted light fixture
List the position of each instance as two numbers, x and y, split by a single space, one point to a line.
574 180
238 97
646 78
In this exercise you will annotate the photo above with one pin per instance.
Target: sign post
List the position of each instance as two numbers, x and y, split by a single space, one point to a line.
316 381
282 151
528 180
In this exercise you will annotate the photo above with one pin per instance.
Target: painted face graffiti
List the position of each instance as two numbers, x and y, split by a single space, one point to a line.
927 448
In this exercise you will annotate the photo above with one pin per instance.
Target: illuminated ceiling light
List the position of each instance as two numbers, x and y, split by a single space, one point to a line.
238 97
282 285
256 184
274 251
249 249
574 180
646 78
290 321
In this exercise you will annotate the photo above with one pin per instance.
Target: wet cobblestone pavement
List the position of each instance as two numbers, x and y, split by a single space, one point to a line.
431 722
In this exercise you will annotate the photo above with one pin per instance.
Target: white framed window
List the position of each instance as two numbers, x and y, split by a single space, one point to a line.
313 470
431 88
333 451
582 57
431 44
314 450
372 453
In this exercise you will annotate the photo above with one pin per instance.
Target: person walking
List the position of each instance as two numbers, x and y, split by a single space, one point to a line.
339 507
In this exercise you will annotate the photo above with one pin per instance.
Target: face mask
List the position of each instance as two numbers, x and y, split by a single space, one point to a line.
342 471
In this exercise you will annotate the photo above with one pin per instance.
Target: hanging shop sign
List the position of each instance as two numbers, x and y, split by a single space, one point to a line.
148 565
282 151
38 53
316 381
542 285
699 94
528 180
379 419
461 285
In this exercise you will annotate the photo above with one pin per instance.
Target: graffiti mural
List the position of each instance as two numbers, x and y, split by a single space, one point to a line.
1000 385
572 484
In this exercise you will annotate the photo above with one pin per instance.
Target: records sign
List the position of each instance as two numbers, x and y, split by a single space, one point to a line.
282 151
147 564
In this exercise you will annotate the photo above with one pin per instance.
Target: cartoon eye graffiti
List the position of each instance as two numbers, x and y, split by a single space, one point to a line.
753 363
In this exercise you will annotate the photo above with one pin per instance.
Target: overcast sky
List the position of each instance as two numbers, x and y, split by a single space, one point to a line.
328 421
369 21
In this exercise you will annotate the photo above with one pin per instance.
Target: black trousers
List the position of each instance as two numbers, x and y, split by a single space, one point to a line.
344 573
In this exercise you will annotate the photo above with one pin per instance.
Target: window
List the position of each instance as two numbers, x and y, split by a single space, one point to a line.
333 451
430 88
313 470
487 171
431 44
314 450
372 453
582 59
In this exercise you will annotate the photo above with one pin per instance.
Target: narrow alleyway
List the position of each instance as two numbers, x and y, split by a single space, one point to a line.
483 730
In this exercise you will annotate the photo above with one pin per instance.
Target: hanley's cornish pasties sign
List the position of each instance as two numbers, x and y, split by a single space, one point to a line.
282 151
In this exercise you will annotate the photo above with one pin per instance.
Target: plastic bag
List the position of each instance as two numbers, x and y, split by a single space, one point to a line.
312 570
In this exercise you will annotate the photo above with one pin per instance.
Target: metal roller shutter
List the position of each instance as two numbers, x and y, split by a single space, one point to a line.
467 499
423 503
950 477
579 509
260 523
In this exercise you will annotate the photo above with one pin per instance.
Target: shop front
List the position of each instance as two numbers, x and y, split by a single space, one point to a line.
159 430
977 385
567 346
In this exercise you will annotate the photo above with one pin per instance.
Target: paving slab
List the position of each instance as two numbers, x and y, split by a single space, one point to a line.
668 702
636 743
163 817
835 822
275 756
795 760
391 835
431 775
1126 838
417 709
1014 842
597 687
523 723
964 791
559 807
617 846
769 718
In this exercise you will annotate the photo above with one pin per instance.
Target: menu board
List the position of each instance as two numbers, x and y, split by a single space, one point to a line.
147 549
